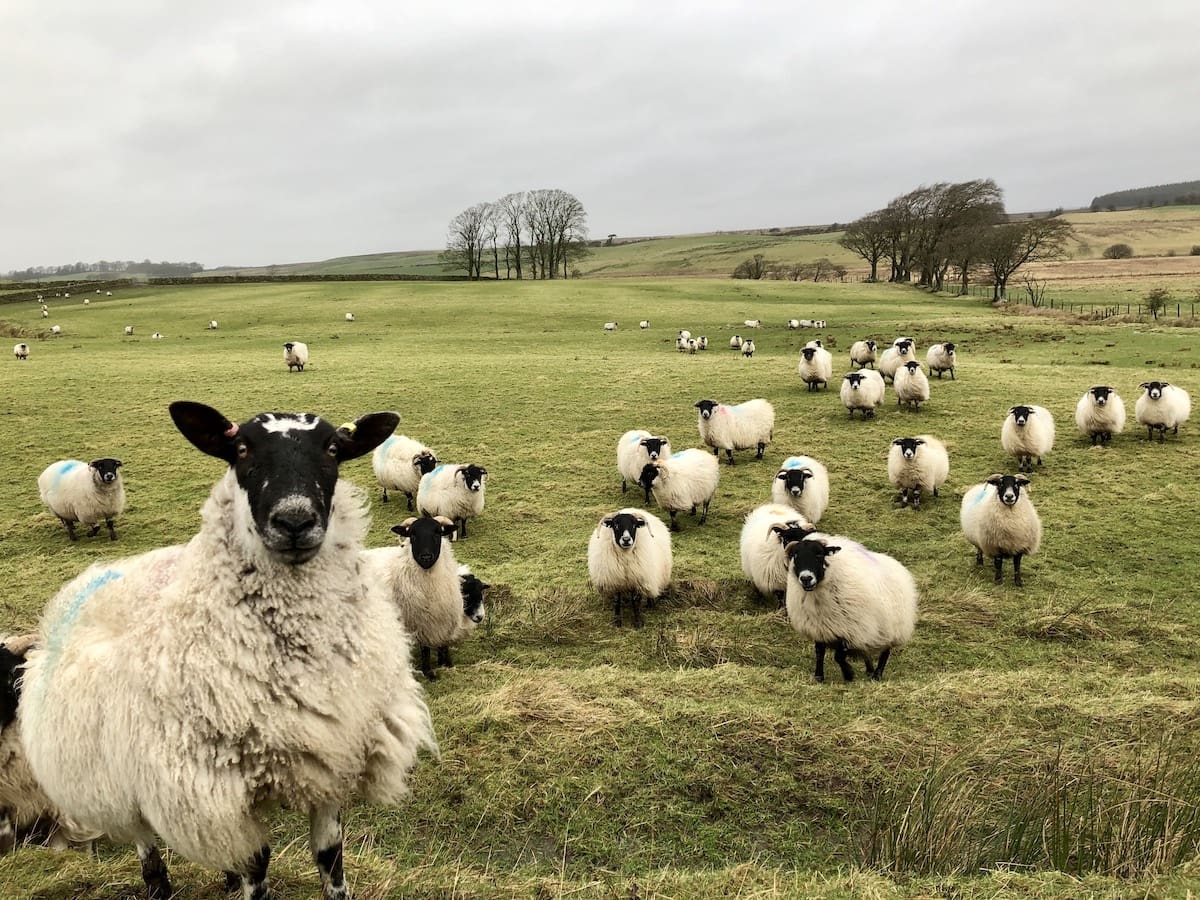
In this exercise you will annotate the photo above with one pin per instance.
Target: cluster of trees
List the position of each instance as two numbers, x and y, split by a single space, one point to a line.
535 234
1180 192
953 230
107 267
758 266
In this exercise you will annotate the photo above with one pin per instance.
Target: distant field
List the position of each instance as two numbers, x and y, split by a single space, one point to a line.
1151 232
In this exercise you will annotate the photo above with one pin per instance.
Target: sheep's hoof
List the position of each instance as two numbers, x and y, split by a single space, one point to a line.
1017 581
93 531
429 674
999 579
233 882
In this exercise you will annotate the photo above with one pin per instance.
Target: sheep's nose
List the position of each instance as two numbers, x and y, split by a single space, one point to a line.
426 560
294 523
808 581
477 618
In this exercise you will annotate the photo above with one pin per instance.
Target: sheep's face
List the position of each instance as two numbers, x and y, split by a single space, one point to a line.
1021 414
105 470
472 595
424 462
855 380
793 480
11 665
654 446
288 346
707 407
808 560
1008 487
1154 388
424 537
472 477
624 528
912 365
796 530
1100 394
948 348
808 353
872 346
908 446
903 346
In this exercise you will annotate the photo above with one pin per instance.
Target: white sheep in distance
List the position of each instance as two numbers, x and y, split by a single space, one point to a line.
747 348
998 518
863 390
279 673
644 324
815 367
684 334
862 353
635 448
745 426
843 595
682 482
86 301
692 344
295 355
56 329
157 336
88 493
610 326
753 323
1100 413
942 358
128 330
212 324
45 313
902 350
1162 406
702 342
766 530
399 462
629 560
735 342
911 385
1028 434
681 344
21 350
349 317
802 483
456 492
917 464
793 324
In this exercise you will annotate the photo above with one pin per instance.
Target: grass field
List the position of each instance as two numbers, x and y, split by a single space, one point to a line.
1028 743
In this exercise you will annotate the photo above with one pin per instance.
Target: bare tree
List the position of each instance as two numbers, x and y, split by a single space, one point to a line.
868 237
466 240
509 212
554 222
1012 245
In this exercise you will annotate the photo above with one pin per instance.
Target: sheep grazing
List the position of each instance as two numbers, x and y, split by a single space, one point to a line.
56 329
766 531
747 348
862 353
816 367
682 482
1100 414
912 387
629 560
399 462
840 593
610 326
349 317
456 492
644 324
802 484
186 692
128 330
1028 434
681 344
742 427
1163 406
753 323
684 334
735 342
1000 521
941 358
21 351
212 324
901 351
793 324
157 336
295 355
636 448
917 464
90 493
863 390
108 293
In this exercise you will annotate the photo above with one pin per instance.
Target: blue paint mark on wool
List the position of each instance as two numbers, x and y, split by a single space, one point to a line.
63 469
635 439
980 494
423 487
60 629
795 462
383 448
678 454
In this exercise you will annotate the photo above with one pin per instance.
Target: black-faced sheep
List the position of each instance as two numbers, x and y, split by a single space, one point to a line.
942 358
747 348
1162 406
636 448
742 427
21 350
1100 413
295 355
902 350
912 387
1028 434
917 464
456 492
863 390
399 462
629 560
682 482
998 518
815 367
766 531
89 493
802 483
862 353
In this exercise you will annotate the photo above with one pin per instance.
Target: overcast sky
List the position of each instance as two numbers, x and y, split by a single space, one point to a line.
244 133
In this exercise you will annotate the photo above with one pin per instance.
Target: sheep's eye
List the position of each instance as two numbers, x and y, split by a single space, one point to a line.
332 450
242 451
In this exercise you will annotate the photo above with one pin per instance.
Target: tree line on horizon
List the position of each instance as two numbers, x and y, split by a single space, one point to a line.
107 267
1180 193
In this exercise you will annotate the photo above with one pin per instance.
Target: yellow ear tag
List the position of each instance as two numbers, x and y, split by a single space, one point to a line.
349 428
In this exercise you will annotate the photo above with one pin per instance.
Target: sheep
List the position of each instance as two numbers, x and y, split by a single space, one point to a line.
86 301
185 692
740 427
702 342
682 482
793 324
128 330
56 329
681 344
1100 414
1001 523
108 293
644 324
862 390
66 295
610 326
747 348
157 336
862 353
818 323
89 493
636 448
295 355
629 566
1028 434
684 334
816 367
456 492
735 342
399 462
941 358
901 351
349 317
691 346
212 324
802 483
814 343
473 590
912 387
1163 406
764 534
45 313
21 350
917 464
840 593
753 323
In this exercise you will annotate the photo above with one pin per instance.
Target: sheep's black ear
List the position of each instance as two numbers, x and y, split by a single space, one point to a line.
831 549
404 529
11 667
898 441
445 526
782 473
918 442
1144 384
607 521
996 479
1022 480
365 433
208 430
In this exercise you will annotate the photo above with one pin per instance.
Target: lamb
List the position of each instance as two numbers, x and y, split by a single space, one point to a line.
56 329
912 387
636 448
816 367
295 354
610 326
21 351
1028 434
212 324
1001 522
735 342
89 493
767 529
753 323
917 464
901 351
629 559
1100 414
128 329
941 358
683 482
747 348
399 462
185 692
1163 406
456 492
862 353
741 427
644 324
802 483
862 390
349 317
841 593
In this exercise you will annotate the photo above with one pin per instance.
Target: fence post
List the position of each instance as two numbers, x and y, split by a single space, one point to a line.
1177 312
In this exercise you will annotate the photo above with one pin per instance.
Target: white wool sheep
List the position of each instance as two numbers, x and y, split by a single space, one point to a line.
1028 434
644 324
21 351
862 353
636 448
128 329
185 692
295 355
56 329
753 323
747 348
802 484
681 344
816 366
212 324
629 559
917 464
610 326
942 358
45 313
764 560
793 324
399 462
901 351
1100 413
735 342
684 334
1162 406
108 293
862 390
65 295
683 482
90 493
843 595
742 427
702 342
86 301
912 387
456 492
349 317
692 345
157 336
998 518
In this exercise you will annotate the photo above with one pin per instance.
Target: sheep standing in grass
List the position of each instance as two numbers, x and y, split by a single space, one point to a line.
1028 434
157 336
802 483
629 560
349 317
702 342
747 348
917 464
456 492
1100 413
89 493
998 518
1162 406
912 387
743 427
128 330
815 367
399 462
862 353
863 390
644 324
56 329
610 326
212 324
766 531
902 350
735 342
45 313
753 323
636 448
942 358
843 595
295 355
683 482
793 324
21 351
473 590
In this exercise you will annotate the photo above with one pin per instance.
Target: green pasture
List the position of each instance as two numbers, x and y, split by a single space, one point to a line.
1027 743
1151 232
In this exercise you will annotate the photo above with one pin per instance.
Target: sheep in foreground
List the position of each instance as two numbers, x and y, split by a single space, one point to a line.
840 593
802 483
636 448
901 351
1000 521
1100 413
456 492
186 692
212 324
89 493
683 482
1028 434
862 353
610 326
766 531
629 560
917 464
862 390
21 350
1163 406
942 358
399 462
747 348
735 342
295 355
349 317
742 427
912 387
815 367
644 324
128 330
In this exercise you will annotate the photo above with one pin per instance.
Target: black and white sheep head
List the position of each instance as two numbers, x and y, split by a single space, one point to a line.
808 560
912 365
1021 415
948 346
286 465
624 527
793 479
789 532
472 477
654 446
903 346
855 380
104 470
473 590
908 446
1101 394
425 462
872 346
1154 389
707 408
651 472
808 353
424 538
1008 487
11 668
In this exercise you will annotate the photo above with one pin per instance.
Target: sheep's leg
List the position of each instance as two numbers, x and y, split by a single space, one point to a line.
716 451
781 598
999 564
674 524
616 610
443 658
8 833
761 449
462 528
935 493
819 671
916 498
325 837
704 515
635 601
233 882
112 532
870 666
1017 570
883 658
426 665
978 557
254 879
70 529
952 378
624 486
839 656
94 530
154 872
729 453
385 497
